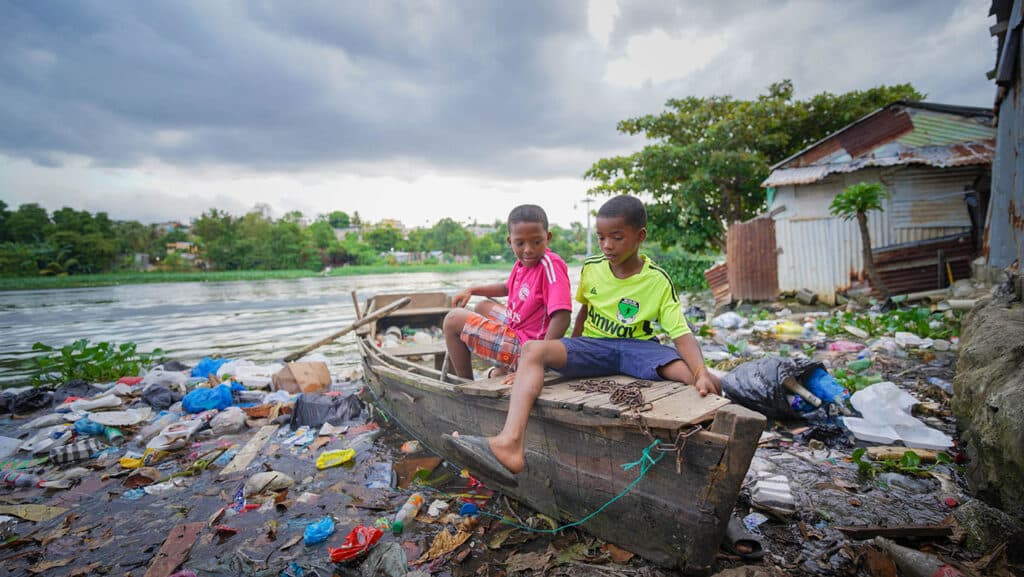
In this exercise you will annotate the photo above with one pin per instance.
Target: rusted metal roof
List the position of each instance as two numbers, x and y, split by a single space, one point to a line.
924 265
960 154
903 133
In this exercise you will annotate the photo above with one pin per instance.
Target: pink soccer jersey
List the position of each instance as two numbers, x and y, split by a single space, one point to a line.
534 293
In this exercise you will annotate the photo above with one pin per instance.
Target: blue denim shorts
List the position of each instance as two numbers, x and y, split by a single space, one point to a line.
593 357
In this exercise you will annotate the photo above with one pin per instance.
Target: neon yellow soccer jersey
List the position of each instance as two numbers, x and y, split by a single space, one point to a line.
627 308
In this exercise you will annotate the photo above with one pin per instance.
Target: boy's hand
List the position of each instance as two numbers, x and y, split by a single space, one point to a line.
707 383
509 379
461 298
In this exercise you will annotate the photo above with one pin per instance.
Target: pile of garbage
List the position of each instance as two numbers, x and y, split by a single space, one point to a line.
860 468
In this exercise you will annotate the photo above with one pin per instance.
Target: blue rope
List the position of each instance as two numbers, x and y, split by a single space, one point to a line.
645 462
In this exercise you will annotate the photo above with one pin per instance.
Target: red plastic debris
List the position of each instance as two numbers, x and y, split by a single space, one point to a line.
129 380
358 542
225 529
951 502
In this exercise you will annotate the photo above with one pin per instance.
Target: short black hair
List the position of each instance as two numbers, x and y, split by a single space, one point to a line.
527 213
629 208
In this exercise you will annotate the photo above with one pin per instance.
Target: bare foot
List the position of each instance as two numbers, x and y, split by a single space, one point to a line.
508 453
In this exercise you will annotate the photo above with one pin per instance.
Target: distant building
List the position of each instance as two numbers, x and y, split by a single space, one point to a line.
172 226
935 161
479 230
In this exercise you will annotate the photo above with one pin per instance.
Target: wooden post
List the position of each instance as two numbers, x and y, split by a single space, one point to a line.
362 321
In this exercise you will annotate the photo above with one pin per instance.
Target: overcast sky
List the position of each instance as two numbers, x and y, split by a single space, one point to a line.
417 110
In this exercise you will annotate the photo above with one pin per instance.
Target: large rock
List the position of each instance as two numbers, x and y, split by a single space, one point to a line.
988 401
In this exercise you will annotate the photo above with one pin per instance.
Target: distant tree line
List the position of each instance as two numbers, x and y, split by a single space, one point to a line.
34 242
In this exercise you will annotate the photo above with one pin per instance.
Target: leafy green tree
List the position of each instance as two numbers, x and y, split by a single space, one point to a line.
4 215
417 240
451 237
29 224
708 156
855 202
383 238
485 248
217 234
339 219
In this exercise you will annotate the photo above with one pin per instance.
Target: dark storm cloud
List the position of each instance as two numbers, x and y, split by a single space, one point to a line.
468 86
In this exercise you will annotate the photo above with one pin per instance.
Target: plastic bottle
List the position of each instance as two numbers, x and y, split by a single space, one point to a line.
407 513
914 563
19 479
114 436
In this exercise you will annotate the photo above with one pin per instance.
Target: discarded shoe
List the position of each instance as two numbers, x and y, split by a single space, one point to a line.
476 454
740 542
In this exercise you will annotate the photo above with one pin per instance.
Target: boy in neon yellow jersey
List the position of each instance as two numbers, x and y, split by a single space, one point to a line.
623 294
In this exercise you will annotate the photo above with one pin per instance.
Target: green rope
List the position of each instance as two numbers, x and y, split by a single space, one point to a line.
645 462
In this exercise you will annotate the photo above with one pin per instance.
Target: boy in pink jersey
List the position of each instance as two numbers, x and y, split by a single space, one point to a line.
538 307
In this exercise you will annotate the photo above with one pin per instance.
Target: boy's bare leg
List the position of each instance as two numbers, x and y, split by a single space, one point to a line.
509 445
484 308
458 353
680 372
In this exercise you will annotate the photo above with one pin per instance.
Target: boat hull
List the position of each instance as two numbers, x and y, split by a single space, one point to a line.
674 517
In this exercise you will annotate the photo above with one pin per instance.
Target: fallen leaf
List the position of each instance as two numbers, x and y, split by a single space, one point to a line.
619 555
500 538
571 554
517 562
291 542
86 570
445 542
47 565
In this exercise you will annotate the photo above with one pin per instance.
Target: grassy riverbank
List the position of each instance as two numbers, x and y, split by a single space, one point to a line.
110 279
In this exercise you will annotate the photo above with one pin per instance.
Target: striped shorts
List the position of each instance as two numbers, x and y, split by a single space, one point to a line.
491 340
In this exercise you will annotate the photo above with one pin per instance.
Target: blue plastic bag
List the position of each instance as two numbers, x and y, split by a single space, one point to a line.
319 531
84 426
200 400
207 367
826 388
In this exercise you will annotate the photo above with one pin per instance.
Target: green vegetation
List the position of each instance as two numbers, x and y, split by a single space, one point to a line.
708 156
93 363
855 202
918 320
909 464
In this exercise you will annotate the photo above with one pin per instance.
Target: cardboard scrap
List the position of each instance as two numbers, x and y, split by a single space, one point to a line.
43 566
35 513
174 550
303 377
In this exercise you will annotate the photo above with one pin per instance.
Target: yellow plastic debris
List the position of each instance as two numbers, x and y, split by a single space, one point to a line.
329 459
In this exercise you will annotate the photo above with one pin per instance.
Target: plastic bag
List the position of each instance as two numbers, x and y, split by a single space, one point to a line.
757 384
172 380
318 532
313 410
825 387
84 426
329 459
207 367
228 422
200 400
729 320
358 542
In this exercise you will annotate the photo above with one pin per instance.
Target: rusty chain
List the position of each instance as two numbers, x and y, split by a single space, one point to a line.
631 398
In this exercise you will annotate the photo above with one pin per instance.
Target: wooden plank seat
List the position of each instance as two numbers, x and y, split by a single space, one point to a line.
668 404
405 351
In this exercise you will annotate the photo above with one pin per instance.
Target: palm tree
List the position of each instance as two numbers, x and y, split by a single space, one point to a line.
855 202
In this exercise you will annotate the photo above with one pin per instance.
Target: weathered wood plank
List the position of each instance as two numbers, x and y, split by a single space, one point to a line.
652 394
492 387
249 451
682 408
175 550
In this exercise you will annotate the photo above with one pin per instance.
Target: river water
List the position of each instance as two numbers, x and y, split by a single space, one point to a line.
257 320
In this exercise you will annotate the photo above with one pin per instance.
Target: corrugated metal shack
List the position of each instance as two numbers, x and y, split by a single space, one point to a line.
1005 231
935 161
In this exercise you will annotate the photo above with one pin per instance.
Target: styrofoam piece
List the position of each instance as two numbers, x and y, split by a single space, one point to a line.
8 445
124 418
45 421
924 438
871 432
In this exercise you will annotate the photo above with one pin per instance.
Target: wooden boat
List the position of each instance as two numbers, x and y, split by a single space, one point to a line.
577 441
